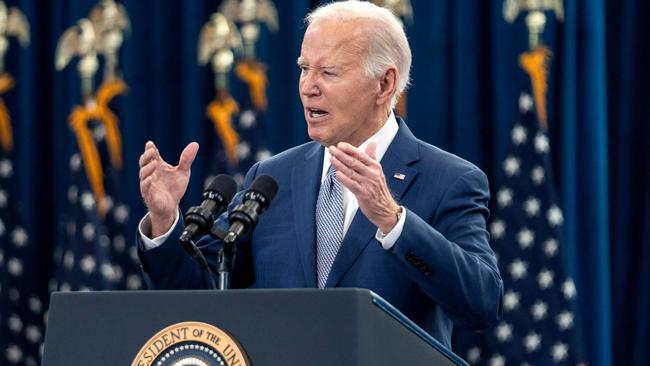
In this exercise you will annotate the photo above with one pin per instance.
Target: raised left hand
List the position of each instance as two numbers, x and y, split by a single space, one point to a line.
360 172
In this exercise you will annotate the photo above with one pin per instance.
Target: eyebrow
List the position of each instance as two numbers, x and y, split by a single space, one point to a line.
301 61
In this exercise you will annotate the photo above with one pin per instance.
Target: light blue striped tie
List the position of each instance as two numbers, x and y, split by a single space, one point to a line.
329 224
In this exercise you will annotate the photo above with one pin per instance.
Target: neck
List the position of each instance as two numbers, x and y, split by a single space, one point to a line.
378 124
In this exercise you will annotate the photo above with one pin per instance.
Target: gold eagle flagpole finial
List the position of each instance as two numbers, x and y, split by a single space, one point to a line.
404 12
13 23
535 19
218 39
79 40
100 34
111 21
535 62
249 14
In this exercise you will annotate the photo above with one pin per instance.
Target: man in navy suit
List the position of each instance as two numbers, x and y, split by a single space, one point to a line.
412 222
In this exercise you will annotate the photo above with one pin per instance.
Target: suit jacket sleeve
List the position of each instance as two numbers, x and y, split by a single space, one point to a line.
450 257
168 266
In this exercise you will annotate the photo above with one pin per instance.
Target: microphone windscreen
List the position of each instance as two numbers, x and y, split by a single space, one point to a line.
265 185
224 185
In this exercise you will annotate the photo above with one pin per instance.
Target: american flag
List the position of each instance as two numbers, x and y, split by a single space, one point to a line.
91 253
251 148
21 305
538 326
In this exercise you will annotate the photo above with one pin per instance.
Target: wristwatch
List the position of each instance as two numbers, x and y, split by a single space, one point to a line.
398 215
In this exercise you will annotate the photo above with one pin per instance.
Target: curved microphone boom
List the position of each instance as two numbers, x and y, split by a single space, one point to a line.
257 199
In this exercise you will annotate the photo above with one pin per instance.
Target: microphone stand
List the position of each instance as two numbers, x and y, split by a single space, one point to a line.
243 219
196 254
225 257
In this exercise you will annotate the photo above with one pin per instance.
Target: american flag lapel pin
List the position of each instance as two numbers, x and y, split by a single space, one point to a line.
399 176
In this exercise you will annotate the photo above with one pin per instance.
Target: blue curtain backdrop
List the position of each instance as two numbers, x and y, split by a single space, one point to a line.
463 95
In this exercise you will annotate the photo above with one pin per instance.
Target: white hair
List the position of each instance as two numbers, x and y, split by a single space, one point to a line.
387 43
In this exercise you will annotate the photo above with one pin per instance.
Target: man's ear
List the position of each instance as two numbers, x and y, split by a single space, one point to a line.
387 85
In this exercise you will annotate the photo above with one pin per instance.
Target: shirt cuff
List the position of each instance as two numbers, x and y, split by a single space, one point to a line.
145 227
388 240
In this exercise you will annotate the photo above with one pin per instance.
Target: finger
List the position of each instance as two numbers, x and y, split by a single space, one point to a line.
358 153
156 153
145 186
368 159
147 156
349 160
371 151
148 169
349 182
151 147
340 167
350 173
187 156
150 152
360 161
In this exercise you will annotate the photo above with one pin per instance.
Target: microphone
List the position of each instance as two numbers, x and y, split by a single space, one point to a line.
199 219
257 199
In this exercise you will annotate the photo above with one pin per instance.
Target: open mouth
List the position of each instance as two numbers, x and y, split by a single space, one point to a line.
316 113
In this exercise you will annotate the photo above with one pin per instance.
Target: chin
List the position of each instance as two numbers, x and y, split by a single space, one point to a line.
316 138
320 139
315 133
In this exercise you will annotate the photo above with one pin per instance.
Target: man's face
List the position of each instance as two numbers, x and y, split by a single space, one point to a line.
339 100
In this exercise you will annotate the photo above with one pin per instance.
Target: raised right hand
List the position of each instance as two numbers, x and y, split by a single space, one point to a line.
162 185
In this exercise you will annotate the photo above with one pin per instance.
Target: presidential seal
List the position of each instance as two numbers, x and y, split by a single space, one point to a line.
191 344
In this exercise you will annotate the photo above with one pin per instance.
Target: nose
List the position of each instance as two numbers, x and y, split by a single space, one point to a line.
309 85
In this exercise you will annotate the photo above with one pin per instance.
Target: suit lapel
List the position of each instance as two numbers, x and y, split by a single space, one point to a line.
305 183
402 151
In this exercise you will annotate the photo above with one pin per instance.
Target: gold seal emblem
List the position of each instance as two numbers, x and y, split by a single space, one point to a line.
191 343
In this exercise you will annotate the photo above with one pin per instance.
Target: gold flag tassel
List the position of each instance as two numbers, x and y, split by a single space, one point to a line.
535 63
101 112
253 73
92 164
106 92
6 134
220 112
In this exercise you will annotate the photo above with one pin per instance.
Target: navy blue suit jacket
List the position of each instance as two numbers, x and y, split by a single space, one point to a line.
441 271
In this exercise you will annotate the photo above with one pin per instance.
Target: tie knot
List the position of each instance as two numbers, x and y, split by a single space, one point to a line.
331 172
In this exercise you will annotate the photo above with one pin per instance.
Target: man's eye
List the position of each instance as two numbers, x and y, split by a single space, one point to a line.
329 73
